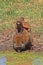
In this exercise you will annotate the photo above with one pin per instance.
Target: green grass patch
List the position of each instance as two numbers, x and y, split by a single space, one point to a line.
22 57
12 9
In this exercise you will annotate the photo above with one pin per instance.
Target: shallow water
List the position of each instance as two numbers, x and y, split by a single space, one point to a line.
2 60
37 61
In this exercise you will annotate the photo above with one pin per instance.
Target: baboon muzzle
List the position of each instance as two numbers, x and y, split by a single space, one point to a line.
18 49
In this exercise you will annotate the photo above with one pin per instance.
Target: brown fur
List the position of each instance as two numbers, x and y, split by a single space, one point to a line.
22 37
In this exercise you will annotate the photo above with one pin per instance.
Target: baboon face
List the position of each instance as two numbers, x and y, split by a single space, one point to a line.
19 48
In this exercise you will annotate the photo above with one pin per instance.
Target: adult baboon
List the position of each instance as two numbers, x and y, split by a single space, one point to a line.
22 39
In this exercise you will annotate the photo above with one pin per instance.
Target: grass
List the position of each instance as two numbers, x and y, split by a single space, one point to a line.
12 9
22 58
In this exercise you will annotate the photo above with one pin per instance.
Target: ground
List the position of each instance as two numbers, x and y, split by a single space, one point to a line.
32 11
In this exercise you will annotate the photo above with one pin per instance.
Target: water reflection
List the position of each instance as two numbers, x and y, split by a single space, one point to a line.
37 61
2 60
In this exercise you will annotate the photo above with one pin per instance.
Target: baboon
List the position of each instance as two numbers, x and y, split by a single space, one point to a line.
22 39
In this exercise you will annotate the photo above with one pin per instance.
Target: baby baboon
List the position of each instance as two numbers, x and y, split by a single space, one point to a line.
25 25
